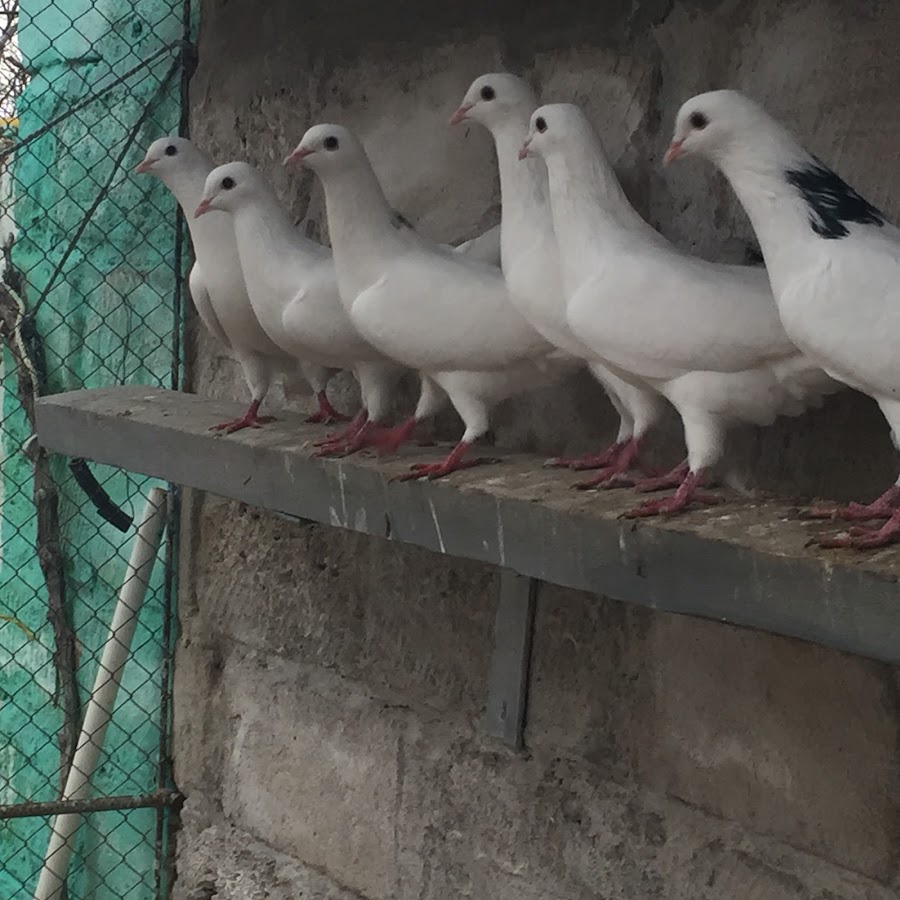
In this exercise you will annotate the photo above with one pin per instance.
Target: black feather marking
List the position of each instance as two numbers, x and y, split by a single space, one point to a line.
398 220
832 202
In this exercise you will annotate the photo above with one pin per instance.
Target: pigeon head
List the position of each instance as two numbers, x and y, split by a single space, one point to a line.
227 187
492 99
169 156
550 128
326 148
712 124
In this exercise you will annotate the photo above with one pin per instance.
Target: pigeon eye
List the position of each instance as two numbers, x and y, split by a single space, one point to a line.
331 142
541 124
488 93
171 150
698 121
227 182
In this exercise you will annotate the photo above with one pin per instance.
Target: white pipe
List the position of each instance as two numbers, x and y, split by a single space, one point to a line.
103 697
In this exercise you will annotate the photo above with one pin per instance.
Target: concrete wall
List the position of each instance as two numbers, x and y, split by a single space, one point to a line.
330 686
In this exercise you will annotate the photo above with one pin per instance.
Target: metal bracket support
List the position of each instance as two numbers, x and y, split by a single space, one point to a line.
508 686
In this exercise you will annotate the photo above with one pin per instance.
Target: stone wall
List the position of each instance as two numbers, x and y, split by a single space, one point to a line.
330 686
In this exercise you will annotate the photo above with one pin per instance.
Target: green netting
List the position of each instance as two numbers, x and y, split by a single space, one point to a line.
92 254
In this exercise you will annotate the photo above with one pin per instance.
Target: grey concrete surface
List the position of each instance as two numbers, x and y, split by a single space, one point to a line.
665 756
374 780
231 865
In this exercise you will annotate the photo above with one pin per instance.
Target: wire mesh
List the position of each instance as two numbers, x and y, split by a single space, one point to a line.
90 295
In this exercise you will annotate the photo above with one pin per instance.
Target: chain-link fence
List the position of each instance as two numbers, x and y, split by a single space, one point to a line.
90 295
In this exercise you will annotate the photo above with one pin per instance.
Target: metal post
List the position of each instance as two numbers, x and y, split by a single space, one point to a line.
103 697
513 629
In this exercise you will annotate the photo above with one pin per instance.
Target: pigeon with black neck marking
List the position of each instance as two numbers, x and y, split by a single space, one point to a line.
704 335
832 257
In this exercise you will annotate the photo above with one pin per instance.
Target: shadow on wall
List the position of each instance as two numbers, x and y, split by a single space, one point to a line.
396 78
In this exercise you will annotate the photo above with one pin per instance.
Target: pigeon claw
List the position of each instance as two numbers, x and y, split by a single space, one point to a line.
453 462
250 419
326 414
345 434
672 479
389 440
433 471
586 461
668 506
369 435
343 447
688 493
606 480
858 538
882 508
616 474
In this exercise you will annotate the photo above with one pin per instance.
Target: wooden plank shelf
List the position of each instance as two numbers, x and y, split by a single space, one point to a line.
745 562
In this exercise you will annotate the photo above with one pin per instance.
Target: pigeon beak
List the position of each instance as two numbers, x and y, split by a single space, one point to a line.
144 166
675 150
461 114
297 156
523 153
204 207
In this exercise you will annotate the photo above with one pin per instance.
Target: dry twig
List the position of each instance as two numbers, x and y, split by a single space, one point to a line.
13 75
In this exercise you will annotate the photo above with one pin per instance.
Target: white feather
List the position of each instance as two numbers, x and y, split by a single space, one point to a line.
291 280
216 280
428 308
530 253
706 336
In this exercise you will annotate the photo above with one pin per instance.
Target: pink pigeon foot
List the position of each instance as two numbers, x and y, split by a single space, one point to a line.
391 439
586 461
686 494
453 462
379 437
369 435
882 508
615 474
865 538
345 434
326 414
250 419
671 479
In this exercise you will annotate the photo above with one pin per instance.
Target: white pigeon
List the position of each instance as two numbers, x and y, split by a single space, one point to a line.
485 247
833 261
446 316
503 104
706 336
293 291
217 284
